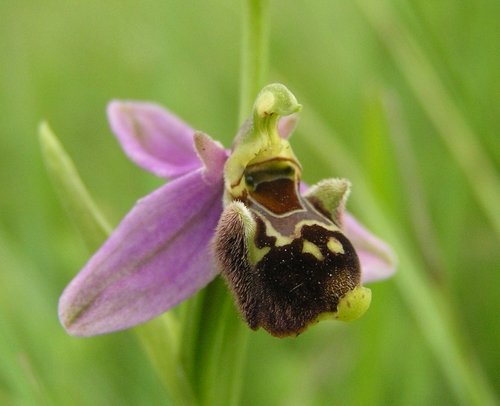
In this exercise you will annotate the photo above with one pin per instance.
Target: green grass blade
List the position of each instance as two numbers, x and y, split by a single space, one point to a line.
425 301
72 192
435 99
160 338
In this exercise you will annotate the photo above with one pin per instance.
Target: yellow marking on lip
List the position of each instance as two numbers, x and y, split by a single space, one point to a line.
313 249
256 254
335 246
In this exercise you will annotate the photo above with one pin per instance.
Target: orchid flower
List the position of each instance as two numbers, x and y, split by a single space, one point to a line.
290 254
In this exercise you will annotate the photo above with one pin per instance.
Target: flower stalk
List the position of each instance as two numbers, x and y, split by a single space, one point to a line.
255 51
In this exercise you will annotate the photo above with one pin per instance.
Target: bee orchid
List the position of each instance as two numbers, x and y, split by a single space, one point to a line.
291 257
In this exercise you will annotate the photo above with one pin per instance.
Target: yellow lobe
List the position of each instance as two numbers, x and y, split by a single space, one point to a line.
354 304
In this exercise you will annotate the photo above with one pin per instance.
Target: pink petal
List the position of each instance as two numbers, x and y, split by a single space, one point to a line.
154 138
378 260
158 256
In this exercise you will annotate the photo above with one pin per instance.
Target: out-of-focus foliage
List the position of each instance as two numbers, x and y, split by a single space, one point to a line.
409 88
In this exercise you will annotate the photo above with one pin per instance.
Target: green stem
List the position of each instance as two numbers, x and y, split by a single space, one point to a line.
254 53
221 348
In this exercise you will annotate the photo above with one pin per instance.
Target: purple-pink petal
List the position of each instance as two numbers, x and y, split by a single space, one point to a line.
158 256
154 138
378 260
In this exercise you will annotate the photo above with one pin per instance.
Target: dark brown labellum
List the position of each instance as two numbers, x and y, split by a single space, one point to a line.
285 259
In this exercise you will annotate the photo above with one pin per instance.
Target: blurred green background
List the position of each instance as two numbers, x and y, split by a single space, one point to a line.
407 90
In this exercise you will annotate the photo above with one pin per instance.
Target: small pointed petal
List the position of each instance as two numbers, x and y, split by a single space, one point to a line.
287 124
154 138
378 260
158 256
213 155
